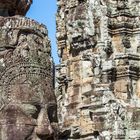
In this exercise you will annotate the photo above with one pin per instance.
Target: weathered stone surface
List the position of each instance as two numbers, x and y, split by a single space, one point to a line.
28 109
98 80
14 7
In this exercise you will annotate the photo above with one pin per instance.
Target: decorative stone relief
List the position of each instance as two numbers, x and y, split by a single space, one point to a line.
101 54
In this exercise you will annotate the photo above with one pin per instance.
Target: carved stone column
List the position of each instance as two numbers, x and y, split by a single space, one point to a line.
99 74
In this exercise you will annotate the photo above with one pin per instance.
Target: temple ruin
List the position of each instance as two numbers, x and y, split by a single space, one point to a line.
98 79
94 93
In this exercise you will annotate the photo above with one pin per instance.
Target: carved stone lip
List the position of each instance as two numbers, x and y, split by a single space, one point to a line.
21 124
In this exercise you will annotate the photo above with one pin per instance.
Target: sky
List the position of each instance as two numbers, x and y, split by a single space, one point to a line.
44 12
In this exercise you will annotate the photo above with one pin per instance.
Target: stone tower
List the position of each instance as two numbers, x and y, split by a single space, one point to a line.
27 101
98 80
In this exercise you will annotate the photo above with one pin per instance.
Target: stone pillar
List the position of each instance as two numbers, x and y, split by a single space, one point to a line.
98 78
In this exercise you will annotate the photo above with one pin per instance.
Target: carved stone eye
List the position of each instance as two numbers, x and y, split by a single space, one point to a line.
31 110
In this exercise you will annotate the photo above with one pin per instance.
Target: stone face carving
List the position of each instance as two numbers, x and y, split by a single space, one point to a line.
28 109
98 94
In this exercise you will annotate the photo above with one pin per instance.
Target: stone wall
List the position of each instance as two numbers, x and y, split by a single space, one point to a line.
98 80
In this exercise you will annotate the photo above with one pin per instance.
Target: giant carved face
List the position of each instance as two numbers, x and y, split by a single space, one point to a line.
28 105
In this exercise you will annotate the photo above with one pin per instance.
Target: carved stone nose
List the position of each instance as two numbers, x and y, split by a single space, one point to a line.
44 130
